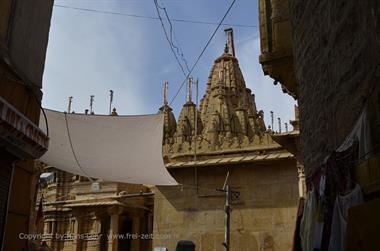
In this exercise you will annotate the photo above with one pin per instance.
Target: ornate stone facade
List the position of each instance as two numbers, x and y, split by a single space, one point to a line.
77 217
226 134
227 119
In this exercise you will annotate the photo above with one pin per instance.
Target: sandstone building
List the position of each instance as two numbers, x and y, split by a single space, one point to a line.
326 55
226 134
77 217
24 29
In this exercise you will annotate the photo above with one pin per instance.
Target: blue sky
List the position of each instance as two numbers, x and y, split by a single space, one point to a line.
91 53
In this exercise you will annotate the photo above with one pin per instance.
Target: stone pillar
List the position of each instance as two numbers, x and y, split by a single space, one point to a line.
113 242
77 242
301 180
136 230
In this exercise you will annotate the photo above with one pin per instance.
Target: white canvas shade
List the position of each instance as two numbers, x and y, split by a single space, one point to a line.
113 148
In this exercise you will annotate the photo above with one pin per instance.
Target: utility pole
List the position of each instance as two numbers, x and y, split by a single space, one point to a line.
91 104
111 99
69 106
196 134
227 209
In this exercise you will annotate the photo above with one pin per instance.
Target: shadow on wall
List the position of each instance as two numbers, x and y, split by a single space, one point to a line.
273 185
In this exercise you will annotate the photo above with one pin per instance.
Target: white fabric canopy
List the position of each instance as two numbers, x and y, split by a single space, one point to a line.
114 148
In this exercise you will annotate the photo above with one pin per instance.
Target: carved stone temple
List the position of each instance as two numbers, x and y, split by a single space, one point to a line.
226 134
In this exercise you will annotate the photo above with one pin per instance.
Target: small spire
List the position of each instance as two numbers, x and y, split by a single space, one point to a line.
165 92
189 89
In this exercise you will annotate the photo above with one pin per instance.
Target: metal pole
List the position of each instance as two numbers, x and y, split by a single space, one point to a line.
228 219
91 103
111 99
195 135
70 101
272 119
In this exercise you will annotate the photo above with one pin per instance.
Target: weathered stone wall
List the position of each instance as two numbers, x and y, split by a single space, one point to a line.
336 53
262 218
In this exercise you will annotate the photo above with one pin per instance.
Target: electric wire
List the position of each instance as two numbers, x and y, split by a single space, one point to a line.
153 18
202 52
172 34
167 37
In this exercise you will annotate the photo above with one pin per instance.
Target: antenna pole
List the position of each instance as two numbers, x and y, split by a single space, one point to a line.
111 100
91 103
272 119
70 101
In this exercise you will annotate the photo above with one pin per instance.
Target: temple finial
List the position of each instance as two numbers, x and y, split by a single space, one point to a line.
165 95
189 89
230 47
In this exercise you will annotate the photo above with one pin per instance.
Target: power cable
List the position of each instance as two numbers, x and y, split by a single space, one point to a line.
167 36
204 49
172 34
153 18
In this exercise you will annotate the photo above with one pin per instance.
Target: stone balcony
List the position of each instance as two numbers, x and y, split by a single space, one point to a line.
276 44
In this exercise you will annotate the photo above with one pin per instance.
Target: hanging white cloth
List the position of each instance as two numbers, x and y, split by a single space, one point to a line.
340 216
308 222
113 148
361 133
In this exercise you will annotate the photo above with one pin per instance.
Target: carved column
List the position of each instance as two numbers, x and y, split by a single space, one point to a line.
113 242
77 242
136 230
301 180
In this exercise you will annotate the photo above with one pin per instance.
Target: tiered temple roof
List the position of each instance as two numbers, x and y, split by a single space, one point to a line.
228 121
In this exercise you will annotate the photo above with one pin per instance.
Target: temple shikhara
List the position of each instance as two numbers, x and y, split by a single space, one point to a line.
224 136
227 135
